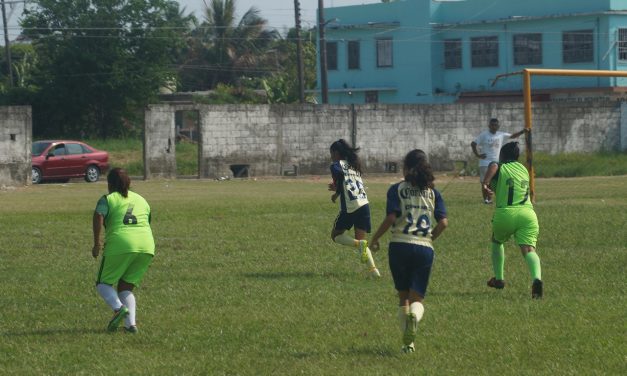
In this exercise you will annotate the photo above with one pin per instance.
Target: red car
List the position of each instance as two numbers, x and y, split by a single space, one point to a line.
64 159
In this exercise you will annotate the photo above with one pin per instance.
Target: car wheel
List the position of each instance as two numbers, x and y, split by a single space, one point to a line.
92 174
36 175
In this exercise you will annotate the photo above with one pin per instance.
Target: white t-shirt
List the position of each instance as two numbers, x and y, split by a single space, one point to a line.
490 144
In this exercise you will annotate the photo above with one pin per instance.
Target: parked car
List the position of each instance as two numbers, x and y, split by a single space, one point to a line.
64 159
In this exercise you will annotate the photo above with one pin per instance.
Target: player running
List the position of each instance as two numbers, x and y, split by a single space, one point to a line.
417 215
354 209
508 180
128 250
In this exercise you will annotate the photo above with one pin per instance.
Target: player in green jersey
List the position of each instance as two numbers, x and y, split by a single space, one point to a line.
508 180
128 249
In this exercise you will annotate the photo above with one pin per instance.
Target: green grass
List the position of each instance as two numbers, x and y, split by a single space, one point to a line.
247 282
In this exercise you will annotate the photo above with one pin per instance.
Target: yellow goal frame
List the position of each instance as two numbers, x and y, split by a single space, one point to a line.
527 73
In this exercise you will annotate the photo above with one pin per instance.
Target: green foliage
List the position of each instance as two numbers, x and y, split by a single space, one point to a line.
226 94
580 164
98 62
246 281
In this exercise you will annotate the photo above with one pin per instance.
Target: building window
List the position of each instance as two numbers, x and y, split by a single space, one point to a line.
578 46
485 52
528 49
452 53
372 96
384 53
622 44
332 55
353 54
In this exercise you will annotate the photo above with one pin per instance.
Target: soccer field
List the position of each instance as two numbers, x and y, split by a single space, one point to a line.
246 281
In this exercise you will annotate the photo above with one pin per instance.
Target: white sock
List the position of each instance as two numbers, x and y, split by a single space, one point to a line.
402 316
128 299
370 259
345 239
417 309
109 295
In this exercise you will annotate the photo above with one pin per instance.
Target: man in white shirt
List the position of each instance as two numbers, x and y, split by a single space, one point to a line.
490 143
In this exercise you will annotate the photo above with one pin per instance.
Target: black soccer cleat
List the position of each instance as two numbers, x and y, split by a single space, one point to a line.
536 289
496 283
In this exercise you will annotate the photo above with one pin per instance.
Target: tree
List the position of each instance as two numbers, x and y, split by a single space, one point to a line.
222 50
100 61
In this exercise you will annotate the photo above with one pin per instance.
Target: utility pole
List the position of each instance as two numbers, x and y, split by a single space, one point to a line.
299 54
7 46
323 53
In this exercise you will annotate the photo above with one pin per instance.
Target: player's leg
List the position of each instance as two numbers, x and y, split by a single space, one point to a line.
526 237
131 278
502 229
420 263
110 271
338 233
482 172
498 265
363 227
397 259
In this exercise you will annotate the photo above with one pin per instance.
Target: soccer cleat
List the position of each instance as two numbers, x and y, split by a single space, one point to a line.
536 289
374 273
363 251
408 349
487 201
118 316
131 329
411 328
496 283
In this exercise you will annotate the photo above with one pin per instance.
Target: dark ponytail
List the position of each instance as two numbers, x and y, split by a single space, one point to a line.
417 170
119 181
347 152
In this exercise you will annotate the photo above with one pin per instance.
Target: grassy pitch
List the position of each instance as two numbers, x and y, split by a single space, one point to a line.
247 282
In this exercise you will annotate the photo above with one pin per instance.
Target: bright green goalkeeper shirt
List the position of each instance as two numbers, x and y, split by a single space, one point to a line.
127 224
512 186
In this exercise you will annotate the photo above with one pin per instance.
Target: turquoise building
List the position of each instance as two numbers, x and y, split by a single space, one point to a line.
444 51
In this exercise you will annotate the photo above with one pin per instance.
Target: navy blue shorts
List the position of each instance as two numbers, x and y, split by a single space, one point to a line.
411 266
360 218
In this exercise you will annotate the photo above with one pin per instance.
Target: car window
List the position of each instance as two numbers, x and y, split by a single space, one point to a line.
39 147
74 149
59 150
86 150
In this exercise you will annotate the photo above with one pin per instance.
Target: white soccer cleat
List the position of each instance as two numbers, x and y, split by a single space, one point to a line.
408 349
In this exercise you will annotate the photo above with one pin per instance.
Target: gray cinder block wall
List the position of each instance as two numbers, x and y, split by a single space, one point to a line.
15 145
272 139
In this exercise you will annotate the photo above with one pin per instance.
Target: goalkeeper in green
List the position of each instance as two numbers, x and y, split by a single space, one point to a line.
508 180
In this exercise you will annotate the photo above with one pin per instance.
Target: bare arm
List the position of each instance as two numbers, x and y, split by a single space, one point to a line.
383 228
439 228
97 222
473 145
517 134
492 169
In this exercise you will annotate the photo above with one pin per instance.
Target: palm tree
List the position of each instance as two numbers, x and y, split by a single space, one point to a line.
234 49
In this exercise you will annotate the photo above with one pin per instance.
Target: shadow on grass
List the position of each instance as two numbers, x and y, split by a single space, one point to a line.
53 332
292 275
381 352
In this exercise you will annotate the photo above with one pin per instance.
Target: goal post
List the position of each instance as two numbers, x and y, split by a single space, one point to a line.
527 74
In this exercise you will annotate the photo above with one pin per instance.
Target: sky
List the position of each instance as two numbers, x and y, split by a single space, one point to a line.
279 13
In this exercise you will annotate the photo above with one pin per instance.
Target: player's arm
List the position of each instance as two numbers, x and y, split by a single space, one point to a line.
517 134
473 145
439 214
383 228
439 228
97 222
493 168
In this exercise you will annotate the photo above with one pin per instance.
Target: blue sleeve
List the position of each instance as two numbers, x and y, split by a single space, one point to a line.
102 207
440 209
338 176
393 201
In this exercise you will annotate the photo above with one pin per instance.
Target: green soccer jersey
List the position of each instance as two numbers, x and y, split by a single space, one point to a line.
512 186
127 224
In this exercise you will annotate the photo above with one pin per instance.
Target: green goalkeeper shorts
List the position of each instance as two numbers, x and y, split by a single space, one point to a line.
520 222
128 267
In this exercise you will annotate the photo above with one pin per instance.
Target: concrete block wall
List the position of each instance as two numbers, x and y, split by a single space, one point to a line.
15 145
273 138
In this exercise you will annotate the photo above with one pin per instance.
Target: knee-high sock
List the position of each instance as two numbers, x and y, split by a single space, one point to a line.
371 263
498 260
402 317
346 239
533 262
109 295
128 299
417 309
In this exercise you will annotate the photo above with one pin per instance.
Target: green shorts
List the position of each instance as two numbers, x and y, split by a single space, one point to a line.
128 267
520 222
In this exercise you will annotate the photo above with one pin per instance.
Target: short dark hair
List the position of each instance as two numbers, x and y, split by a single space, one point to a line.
509 152
494 120
119 181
